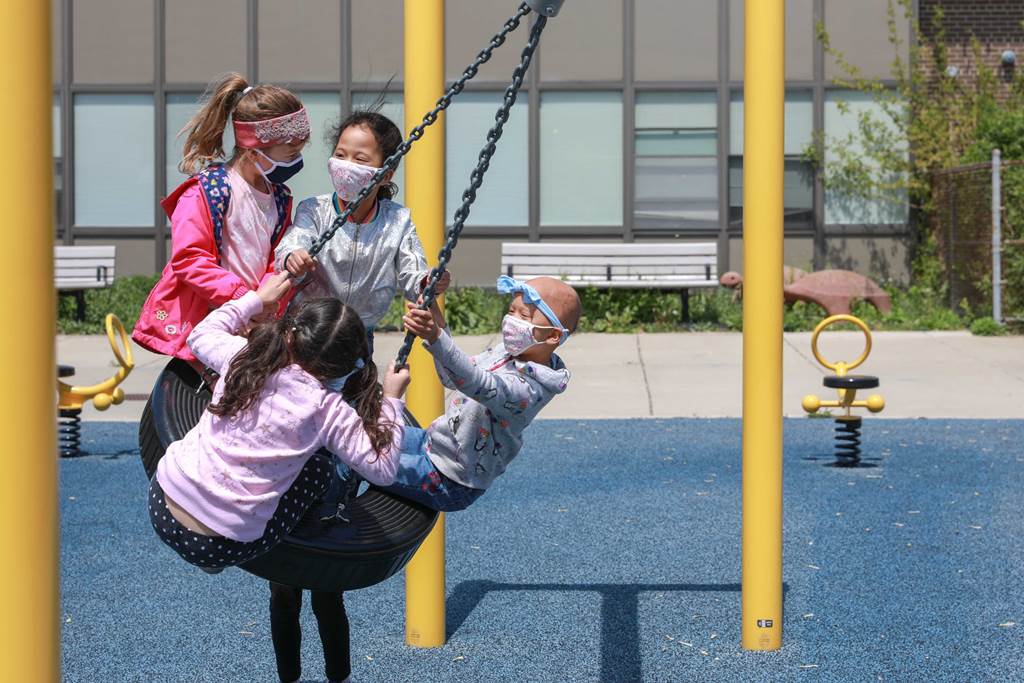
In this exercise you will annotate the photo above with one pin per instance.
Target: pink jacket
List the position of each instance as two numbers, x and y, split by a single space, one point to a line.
193 282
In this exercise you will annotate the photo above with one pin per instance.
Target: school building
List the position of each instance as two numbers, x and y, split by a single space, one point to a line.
629 127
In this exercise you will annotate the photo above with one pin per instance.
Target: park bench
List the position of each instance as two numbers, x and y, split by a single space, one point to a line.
78 268
655 265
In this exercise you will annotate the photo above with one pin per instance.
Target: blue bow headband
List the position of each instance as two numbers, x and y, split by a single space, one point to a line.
508 285
338 383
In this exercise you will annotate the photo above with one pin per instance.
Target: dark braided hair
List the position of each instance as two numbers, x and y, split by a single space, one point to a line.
325 338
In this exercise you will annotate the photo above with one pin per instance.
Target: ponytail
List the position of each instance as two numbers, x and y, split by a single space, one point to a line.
204 142
265 353
225 100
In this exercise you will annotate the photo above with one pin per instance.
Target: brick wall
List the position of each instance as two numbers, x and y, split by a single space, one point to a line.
995 23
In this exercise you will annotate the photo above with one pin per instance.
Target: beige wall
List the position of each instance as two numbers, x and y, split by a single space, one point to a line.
477 260
884 259
135 255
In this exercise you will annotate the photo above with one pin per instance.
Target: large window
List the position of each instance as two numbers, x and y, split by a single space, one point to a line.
844 110
181 107
676 161
798 173
581 158
114 164
503 199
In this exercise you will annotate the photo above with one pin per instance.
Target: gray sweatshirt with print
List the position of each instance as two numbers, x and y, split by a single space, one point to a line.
495 399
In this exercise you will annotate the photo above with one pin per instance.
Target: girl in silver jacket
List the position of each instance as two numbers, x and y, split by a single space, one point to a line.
368 260
377 252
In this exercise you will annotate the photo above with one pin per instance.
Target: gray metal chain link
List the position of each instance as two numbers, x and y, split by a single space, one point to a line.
477 176
391 163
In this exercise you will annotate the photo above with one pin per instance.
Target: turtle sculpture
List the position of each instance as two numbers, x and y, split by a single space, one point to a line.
833 290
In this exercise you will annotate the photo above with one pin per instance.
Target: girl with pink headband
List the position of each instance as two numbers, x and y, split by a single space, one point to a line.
227 218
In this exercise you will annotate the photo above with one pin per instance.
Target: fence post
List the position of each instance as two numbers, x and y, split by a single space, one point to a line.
997 238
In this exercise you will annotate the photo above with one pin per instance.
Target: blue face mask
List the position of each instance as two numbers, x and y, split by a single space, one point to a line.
338 383
280 171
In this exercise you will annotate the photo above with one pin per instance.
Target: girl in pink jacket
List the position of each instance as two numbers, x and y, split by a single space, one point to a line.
226 219
247 472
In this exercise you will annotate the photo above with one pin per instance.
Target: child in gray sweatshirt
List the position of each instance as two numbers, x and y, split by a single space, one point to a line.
497 394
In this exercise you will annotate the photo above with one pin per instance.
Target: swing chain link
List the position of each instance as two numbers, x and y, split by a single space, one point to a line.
391 163
476 178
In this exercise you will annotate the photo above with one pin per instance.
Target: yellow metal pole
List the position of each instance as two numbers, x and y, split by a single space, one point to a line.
763 94
425 195
28 448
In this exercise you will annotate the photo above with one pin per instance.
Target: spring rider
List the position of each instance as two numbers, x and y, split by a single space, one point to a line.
70 399
846 385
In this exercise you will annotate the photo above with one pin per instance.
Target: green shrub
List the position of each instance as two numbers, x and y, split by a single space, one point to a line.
987 327
124 299
476 310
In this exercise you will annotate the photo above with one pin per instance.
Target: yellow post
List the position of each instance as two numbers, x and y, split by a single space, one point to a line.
28 488
424 193
763 93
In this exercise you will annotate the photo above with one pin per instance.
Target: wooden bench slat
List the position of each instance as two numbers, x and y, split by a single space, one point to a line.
81 284
611 249
705 272
65 251
646 284
614 261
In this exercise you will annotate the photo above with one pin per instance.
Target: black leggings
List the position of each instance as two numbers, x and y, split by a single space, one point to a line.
217 552
329 608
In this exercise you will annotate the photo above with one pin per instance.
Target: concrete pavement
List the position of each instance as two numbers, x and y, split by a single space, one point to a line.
923 374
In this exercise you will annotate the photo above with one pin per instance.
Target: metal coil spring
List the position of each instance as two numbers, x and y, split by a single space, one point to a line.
848 441
69 432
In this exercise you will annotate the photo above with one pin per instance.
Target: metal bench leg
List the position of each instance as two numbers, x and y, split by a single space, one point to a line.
685 294
80 303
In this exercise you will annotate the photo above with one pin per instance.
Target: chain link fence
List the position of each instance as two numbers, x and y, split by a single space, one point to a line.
964 220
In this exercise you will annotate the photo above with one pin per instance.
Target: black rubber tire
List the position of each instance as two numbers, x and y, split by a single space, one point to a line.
384 533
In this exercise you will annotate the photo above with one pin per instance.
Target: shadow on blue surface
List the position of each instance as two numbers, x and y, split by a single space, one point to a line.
620 652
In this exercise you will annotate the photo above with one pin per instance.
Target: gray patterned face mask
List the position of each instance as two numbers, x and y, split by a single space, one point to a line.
338 383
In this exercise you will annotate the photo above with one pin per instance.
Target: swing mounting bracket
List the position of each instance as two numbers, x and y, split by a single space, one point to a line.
545 8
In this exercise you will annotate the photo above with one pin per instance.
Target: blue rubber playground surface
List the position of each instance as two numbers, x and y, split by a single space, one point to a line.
610 551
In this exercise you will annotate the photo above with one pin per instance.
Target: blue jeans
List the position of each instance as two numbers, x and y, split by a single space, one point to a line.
419 481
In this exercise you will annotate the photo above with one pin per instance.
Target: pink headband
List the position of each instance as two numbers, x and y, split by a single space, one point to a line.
276 131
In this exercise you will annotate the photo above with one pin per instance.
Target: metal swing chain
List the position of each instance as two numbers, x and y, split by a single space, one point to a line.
476 178
391 163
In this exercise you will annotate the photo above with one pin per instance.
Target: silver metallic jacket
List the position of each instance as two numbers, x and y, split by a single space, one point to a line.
363 264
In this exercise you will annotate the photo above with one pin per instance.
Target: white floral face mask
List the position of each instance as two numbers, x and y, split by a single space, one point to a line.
349 178
517 334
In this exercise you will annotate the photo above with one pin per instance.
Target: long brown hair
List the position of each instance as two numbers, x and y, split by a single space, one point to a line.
325 338
204 141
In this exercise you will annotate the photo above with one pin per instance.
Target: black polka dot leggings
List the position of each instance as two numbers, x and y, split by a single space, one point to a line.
217 552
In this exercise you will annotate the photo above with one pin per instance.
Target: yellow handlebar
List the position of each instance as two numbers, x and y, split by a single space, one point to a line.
105 393
839 367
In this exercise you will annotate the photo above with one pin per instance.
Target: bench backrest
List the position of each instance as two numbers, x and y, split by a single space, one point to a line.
652 264
83 267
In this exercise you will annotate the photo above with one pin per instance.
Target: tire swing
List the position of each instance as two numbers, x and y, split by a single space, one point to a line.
384 530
